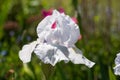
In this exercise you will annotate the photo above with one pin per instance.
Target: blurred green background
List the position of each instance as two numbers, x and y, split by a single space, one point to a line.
99 22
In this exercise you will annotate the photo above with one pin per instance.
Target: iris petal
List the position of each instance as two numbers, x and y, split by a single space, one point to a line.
25 53
117 59
59 28
51 53
77 58
117 67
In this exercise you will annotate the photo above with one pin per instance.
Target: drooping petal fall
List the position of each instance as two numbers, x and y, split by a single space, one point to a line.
51 53
26 52
77 58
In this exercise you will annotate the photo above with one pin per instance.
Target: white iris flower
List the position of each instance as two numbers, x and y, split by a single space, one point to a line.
117 63
57 35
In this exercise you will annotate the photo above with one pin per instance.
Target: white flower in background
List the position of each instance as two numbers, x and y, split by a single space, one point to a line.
117 63
57 35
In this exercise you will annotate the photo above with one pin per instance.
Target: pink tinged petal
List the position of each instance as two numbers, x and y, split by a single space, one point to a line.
75 20
66 33
25 53
46 13
44 27
61 10
46 23
77 58
56 35
54 25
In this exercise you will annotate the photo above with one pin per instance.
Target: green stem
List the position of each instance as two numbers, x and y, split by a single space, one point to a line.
48 71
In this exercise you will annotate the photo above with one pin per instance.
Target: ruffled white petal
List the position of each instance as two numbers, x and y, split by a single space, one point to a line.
66 32
45 25
117 63
51 53
117 69
77 58
25 53
74 30
117 59
44 28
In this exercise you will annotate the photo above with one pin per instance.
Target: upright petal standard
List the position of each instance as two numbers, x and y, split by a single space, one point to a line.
57 34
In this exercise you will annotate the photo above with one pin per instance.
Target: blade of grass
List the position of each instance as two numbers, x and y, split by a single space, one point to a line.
111 75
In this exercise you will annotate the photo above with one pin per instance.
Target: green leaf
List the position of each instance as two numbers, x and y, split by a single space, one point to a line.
111 75
48 70
28 71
